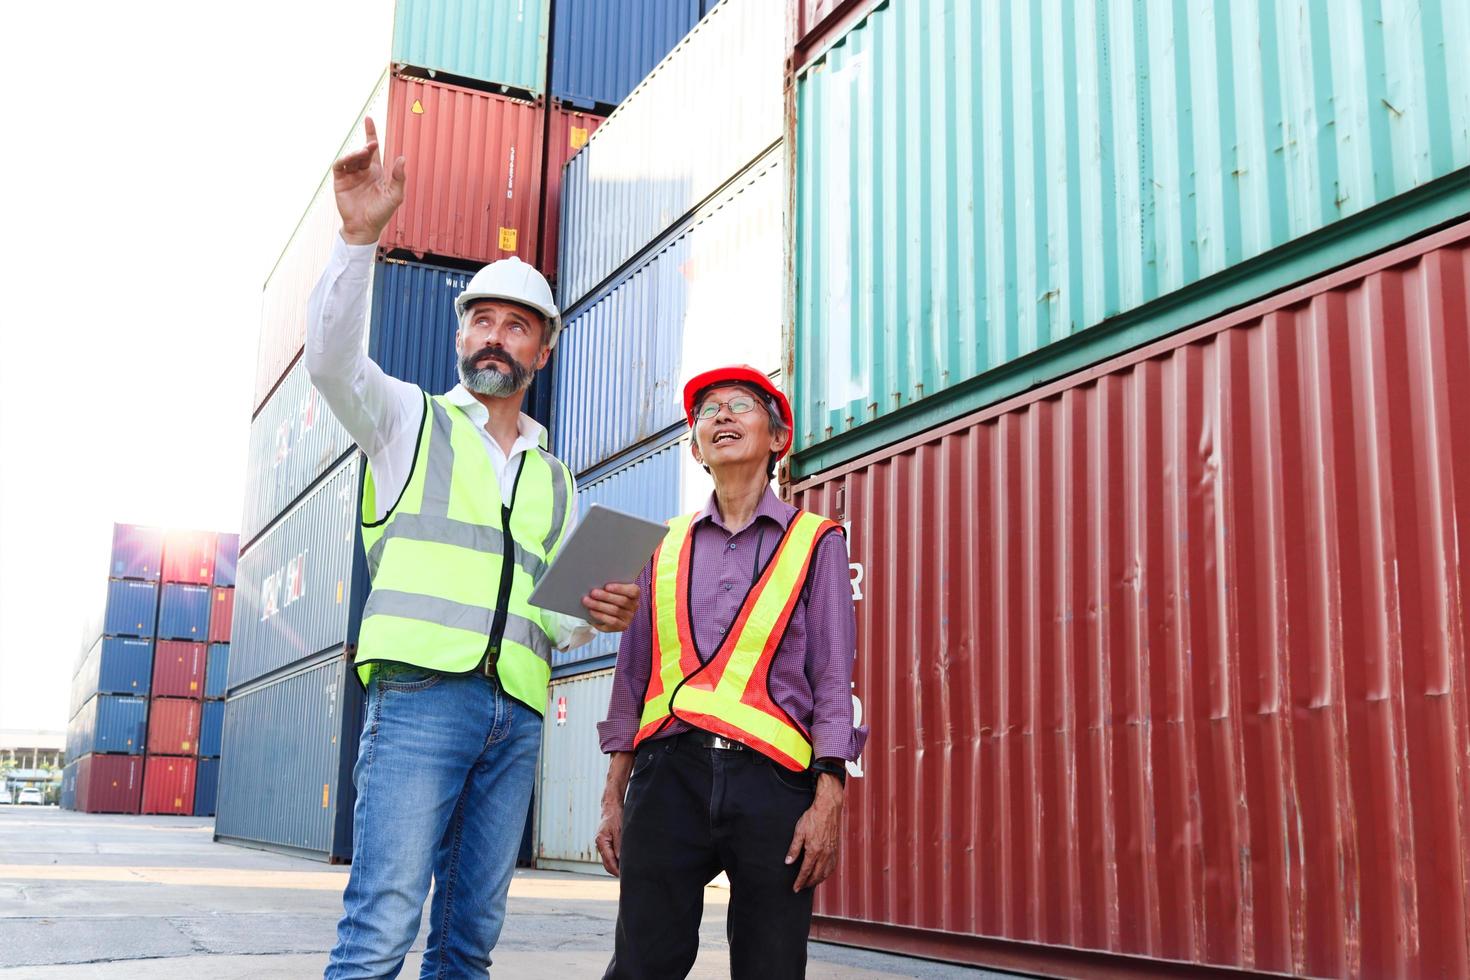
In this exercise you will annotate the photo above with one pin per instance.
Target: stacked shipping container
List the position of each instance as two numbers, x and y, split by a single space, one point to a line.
1139 684
671 263
135 694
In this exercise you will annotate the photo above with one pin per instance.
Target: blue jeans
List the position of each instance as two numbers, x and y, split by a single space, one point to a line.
444 777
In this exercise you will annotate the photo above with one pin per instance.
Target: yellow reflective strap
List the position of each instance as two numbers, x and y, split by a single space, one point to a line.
667 649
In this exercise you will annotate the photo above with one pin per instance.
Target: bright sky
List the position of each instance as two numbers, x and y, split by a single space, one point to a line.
158 156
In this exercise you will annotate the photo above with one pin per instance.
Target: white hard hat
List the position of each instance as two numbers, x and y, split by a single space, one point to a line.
517 281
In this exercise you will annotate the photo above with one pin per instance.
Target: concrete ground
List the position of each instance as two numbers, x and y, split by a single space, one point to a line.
110 897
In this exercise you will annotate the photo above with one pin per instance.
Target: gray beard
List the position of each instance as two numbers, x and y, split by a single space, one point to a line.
492 381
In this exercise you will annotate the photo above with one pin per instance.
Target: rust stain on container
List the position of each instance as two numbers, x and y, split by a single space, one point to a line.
1168 658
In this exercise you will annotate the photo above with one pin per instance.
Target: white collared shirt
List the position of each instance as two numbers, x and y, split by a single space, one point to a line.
382 413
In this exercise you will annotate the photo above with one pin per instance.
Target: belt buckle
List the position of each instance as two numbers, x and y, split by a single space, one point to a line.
718 742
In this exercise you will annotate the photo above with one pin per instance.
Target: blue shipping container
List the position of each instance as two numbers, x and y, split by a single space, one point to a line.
657 485
184 612
413 323
69 786
216 670
226 552
710 294
114 665
206 785
132 608
137 552
602 49
290 746
211 728
108 723
302 584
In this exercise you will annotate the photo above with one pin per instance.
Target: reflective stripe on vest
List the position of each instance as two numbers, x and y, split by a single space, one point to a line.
728 695
435 560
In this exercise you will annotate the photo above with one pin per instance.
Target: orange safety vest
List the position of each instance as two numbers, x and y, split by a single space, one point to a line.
727 695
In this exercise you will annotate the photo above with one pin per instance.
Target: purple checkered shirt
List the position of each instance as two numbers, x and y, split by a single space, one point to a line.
811 676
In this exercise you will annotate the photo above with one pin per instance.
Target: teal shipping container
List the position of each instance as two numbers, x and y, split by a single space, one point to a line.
502 42
990 195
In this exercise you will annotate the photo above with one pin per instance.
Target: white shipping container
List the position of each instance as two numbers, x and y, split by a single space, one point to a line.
573 770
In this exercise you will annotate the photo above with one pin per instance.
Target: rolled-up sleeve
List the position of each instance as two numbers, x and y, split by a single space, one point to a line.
630 679
831 629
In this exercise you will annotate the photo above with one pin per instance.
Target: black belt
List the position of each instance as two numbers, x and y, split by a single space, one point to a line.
706 740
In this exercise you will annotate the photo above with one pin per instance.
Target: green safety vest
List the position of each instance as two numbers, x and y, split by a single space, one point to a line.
443 597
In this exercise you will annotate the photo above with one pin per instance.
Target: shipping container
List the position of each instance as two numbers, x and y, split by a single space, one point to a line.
699 118
188 556
567 131
289 748
302 585
657 485
137 552
178 669
710 295
474 172
573 772
1167 658
108 723
129 608
173 726
168 785
817 23
225 555
502 42
69 785
300 265
293 441
221 615
183 612
211 728
206 787
109 783
115 665
216 670
961 222
602 49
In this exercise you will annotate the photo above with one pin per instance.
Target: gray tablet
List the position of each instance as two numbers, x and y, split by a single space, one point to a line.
606 546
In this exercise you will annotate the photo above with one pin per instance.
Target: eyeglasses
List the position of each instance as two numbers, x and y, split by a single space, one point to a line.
739 405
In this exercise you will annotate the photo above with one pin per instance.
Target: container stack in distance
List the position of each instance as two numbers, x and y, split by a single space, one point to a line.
671 263
135 722
486 142
1123 617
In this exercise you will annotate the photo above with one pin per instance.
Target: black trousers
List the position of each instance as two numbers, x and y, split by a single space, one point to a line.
690 813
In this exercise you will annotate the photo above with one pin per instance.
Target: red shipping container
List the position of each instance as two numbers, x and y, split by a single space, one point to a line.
1168 658
178 669
818 23
567 131
173 726
221 615
188 557
168 785
109 783
474 172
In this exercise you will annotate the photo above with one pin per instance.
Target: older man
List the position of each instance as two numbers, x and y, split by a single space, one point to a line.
462 509
731 714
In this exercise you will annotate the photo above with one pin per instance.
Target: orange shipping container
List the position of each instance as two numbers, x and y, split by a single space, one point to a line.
567 131
178 669
221 615
168 785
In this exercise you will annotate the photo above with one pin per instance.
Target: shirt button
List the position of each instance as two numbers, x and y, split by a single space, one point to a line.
726 586
732 545
722 631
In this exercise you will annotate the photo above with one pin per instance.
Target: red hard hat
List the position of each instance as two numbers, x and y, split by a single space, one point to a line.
739 374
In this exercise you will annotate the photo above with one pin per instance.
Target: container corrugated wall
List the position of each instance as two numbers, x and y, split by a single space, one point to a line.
109 783
602 49
108 723
297 736
503 42
300 265
710 295
226 553
221 615
178 669
211 728
216 670
293 441
173 726
474 172
188 556
183 612
657 485
69 785
1168 658
131 608
137 552
302 583
573 771
567 131
206 787
711 107
114 665
168 785
978 182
